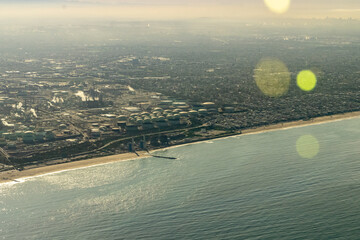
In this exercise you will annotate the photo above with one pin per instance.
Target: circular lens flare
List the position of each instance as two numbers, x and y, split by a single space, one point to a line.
278 6
272 77
307 146
306 80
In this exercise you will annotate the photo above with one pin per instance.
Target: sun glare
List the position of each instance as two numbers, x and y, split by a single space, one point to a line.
278 6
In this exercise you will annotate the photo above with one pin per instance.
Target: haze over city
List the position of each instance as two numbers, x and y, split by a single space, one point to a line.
179 119
178 9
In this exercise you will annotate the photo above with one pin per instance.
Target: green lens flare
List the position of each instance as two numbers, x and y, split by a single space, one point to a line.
272 77
306 80
307 146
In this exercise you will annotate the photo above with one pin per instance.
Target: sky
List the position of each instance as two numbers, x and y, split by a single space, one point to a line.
179 9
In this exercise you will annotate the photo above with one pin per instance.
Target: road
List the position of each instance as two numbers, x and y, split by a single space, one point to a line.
148 134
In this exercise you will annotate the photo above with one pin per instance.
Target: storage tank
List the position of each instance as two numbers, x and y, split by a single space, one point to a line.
131 128
95 132
183 114
116 130
19 134
180 104
169 116
11 146
39 136
156 113
12 136
49 135
161 122
2 142
121 124
153 118
203 111
147 120
6 135
28 137
121 118
193 113
175 119
139 120
148 125
208 105
167 112
165 102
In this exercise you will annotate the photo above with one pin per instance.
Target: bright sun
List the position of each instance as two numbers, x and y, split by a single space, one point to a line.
278 6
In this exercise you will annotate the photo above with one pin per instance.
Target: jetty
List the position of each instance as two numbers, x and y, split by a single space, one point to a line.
157 156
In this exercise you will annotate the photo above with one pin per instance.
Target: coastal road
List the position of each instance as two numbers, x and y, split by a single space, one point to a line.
148 134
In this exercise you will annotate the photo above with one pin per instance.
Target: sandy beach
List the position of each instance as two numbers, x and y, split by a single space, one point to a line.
12 175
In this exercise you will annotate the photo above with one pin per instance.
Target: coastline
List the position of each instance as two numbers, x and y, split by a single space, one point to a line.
14 175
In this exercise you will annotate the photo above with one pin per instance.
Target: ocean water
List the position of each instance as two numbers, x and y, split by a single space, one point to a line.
259 186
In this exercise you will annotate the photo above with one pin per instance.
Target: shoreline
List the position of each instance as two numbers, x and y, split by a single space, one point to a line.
14 175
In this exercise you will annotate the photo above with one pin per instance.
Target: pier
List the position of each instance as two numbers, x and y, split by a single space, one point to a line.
157 156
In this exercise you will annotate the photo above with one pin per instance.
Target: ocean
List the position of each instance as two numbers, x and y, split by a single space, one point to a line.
298 183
